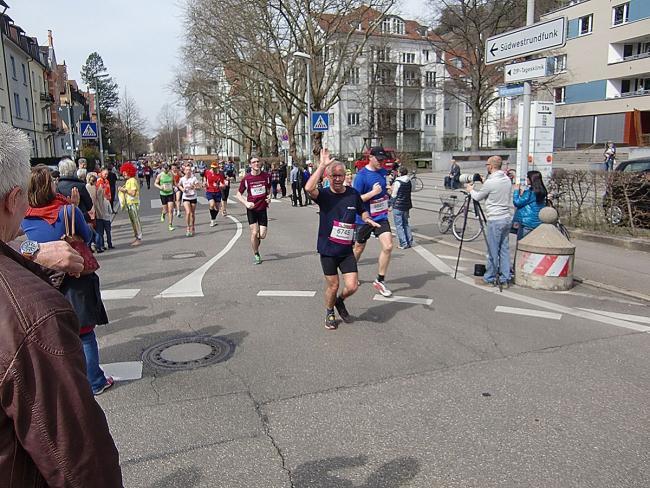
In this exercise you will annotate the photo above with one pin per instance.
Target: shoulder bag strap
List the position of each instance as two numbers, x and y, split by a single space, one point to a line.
73 212
65 221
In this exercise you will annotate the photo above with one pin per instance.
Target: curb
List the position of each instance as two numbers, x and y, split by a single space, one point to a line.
632 243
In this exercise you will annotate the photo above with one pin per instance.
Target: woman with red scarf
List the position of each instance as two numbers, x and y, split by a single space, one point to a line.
44 222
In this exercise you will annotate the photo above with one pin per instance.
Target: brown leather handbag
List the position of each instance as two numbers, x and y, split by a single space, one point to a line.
90 263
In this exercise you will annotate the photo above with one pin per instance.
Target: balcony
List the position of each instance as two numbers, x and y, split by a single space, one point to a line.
47 97
412 83
637 93
50 128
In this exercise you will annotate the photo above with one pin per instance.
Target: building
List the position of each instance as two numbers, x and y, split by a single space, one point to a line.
602 88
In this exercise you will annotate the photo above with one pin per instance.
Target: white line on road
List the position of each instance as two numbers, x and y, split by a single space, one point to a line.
285 293
528 312
453 258
126 371
396 298
623 316
122 294
443 268
601 298
192 284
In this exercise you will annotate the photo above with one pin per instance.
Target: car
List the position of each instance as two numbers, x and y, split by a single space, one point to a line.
386 156
628 193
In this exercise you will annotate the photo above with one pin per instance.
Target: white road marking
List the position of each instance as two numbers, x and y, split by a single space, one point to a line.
396 298
445 269
121 294
453 258
192 284
285 293
596 297
127 371
623 316
528 312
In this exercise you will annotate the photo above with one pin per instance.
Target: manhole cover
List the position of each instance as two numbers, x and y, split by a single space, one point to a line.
184 255
189 352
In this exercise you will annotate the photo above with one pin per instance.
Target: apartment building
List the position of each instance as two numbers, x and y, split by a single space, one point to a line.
392 94
602 88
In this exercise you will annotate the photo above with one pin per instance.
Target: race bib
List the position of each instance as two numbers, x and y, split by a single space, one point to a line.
167 187
379 206
342 233
257 191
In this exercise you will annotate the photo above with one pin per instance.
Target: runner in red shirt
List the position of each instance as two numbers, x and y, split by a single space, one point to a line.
257 185
214 183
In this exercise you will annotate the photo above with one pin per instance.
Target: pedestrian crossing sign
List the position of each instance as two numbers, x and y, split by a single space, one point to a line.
320 121
88 130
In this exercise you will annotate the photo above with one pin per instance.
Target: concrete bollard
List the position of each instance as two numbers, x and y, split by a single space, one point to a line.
544 258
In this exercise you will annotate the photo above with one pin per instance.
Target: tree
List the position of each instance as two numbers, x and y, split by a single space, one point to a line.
129 127
168 137
92 74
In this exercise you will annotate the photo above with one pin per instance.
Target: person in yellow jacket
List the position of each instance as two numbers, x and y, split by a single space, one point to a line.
130 194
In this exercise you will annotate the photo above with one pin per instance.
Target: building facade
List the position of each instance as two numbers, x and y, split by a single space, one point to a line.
602 88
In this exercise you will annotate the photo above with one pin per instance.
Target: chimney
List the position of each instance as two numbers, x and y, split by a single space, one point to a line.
50 41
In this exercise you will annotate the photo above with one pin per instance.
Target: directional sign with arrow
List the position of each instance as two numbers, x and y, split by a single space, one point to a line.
527 40
528 70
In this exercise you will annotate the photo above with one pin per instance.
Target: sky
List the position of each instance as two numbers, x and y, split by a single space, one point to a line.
138 40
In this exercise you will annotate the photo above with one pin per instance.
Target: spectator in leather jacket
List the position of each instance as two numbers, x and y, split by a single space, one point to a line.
53 431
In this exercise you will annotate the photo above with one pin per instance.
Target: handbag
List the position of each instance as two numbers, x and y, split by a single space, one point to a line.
77 243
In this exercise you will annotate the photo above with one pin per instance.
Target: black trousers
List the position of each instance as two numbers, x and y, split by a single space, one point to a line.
296 194
283 186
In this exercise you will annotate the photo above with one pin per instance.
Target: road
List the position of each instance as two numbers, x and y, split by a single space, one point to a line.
456 385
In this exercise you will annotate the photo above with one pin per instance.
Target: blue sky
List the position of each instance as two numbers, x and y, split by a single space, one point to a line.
138 40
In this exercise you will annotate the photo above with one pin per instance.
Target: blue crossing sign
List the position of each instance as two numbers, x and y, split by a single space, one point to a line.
88 130
320 121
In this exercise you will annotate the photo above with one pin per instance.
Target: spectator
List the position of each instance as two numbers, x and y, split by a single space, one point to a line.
296 178
283 178
53 431
275 179
452 180
400 202
68 180
528 203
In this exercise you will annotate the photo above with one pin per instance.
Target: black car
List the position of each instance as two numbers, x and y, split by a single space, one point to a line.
628 192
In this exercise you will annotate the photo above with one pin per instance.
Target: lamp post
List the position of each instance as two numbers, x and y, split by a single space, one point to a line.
99 120
307 58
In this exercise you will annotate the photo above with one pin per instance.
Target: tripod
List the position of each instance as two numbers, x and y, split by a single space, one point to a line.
480 215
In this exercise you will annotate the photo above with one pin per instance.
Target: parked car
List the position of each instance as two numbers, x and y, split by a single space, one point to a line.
386 157
628 192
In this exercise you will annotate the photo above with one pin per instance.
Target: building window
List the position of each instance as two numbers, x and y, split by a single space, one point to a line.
13 68
3 114
398 26
352 76
408 58
425 55
410 78
431 79
620 14
585 24
17 105
430 119
385 26
354 118
383 55
409 121
24 74
559 64
468 121
559 94
27 110
625 86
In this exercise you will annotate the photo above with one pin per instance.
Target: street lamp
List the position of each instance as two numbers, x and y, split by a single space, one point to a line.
307 58
99 120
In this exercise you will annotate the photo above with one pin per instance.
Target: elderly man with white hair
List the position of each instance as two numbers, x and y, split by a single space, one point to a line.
68 180
53 432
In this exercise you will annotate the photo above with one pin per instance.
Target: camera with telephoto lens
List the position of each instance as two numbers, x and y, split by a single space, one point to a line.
467 178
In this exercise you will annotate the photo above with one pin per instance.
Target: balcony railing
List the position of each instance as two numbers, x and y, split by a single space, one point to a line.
636 56
50 128
637 93
412 83
47 97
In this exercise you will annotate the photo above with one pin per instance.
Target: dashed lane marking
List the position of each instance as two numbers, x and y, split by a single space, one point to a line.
121 294
285 293
396 298
623 316
192 284
529 312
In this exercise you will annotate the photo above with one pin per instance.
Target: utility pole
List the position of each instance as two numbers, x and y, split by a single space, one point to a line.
525 123
99 125
307 58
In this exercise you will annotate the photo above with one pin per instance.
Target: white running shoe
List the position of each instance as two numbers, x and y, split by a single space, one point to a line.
213 223
381 288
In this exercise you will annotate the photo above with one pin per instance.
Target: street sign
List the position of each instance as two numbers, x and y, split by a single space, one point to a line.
88 130
525 41
528 70
320 121
511 90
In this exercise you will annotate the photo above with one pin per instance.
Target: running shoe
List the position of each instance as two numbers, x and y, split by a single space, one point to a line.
213 223
188 233
381 288
258 259
171 227
330 322
109 382
162 217
343 312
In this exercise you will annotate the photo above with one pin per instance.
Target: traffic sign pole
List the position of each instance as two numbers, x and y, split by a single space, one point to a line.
525 137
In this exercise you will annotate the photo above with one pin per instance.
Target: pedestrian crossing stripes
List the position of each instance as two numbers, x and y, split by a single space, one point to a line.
529 312
120 294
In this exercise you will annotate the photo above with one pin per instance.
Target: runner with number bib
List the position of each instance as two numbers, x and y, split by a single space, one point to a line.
165 184
257 186
370 182
214 183
339 207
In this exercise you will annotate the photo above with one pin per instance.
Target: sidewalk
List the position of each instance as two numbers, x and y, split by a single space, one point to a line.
628 273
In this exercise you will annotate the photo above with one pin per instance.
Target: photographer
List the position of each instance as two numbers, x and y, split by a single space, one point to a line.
496 191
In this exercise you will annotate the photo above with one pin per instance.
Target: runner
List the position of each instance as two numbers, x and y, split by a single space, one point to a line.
214 183
165 183
370 182
225 192
339 205
178 194
258 196
188 184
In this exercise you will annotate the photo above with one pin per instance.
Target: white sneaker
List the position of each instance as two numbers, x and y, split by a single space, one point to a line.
213 223
381 288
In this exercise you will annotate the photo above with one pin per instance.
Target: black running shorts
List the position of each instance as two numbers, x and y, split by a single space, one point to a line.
363 232
259 218
165 199
331 264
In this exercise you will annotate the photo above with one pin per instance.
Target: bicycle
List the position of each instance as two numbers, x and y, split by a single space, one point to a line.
448 218
416 183
446 213
553 201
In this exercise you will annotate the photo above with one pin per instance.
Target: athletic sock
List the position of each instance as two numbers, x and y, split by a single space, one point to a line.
213 214
380 277
330 311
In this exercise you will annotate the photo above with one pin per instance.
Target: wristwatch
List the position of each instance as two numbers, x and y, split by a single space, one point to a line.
29 249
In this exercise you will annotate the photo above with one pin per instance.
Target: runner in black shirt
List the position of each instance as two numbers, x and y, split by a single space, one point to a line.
339 206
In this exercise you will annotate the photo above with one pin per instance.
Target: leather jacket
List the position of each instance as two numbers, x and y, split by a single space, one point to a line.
52 431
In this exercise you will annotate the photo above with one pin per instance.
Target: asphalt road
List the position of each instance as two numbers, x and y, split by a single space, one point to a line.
467 387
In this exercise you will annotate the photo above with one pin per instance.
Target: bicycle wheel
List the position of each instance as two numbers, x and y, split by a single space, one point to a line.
472 229
416 184
445 219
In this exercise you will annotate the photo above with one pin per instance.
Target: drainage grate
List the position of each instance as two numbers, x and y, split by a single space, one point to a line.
184 255
189 352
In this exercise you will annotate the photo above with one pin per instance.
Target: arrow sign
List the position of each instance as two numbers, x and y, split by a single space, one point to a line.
525 41
528 70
